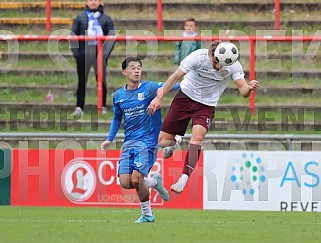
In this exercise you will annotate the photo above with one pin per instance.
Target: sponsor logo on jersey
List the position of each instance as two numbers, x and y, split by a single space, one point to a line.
224 72
210 78
140 96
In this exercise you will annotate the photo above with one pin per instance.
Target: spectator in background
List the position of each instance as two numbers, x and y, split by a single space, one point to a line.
184 48
91 22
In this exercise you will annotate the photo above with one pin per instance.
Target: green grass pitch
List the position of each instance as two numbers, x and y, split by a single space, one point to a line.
58 224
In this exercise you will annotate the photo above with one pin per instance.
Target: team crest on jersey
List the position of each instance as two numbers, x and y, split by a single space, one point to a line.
224 72
140 96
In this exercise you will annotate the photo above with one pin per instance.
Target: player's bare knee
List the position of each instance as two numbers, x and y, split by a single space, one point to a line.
197 139
125 182
163 143
161 139
135 181
165 140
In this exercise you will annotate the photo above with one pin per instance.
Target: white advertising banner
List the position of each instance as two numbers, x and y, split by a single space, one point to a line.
262 180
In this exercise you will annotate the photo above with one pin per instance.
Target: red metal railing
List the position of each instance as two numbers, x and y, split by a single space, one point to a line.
251 39
160 15
277 15
48 15
100 61
252 74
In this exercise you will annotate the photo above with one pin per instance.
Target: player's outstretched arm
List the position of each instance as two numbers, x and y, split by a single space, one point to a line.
170 82
244 88
168 86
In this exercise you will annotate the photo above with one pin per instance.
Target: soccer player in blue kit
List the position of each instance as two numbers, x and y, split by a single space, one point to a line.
141 130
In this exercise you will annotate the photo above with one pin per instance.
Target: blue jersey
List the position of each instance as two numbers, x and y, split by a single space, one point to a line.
131 105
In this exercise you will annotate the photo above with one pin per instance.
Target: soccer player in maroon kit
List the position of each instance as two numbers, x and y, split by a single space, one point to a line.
204 80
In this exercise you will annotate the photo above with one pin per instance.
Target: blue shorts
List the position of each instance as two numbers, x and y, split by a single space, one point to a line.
136 156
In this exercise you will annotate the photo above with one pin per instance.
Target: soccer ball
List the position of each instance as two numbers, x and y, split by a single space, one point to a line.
226 53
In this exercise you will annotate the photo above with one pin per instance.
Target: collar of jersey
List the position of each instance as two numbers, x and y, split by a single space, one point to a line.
125 87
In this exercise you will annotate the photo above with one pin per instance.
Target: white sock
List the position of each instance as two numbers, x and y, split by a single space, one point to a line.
184 179
150 182
146 209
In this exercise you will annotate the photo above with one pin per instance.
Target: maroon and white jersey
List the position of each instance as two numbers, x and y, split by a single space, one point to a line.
202 82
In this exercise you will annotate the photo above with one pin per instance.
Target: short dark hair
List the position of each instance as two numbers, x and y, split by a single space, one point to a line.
213 45
190 19
127 60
